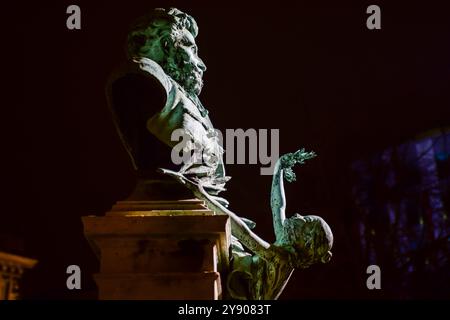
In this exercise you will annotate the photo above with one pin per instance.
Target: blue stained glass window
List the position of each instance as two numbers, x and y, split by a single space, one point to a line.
401 197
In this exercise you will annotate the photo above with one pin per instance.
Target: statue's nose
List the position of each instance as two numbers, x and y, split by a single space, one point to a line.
201 65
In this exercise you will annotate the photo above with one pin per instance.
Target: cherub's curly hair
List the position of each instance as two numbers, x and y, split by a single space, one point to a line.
320 240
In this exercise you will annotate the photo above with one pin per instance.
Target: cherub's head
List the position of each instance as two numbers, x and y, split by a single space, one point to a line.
168 38
309 240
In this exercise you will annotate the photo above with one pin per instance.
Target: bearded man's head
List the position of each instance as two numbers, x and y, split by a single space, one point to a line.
168 38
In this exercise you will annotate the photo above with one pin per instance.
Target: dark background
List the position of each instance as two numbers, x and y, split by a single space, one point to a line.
311 69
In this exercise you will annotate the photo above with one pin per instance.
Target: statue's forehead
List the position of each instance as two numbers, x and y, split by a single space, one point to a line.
187 36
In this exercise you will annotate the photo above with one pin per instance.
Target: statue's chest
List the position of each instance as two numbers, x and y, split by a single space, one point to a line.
181 114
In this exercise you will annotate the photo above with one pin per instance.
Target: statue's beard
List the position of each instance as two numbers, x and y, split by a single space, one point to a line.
186 74
193 82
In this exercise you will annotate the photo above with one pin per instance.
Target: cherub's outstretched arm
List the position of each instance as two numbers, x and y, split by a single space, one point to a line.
283 170
278 200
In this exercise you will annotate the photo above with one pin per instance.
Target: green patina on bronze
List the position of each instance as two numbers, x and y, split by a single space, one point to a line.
168 38
161 47
259 270
156 93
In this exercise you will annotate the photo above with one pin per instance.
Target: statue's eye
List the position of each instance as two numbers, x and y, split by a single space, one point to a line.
187 43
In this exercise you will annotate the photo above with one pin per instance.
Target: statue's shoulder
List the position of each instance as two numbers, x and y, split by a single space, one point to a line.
141 70
151 68
141 86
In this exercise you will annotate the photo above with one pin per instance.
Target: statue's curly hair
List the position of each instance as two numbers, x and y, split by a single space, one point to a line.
162 25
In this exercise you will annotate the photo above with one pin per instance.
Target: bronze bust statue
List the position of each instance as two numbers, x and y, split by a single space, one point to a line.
155 94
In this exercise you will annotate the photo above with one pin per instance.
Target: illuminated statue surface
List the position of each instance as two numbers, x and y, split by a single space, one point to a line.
261 270
155 94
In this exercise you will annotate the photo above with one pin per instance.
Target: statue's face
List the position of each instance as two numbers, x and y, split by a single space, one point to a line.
177 54
167 37
189 67
310 240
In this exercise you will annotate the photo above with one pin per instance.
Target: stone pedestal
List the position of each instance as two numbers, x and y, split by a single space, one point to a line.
160 250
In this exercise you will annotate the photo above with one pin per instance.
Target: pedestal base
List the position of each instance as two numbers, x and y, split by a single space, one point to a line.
160 250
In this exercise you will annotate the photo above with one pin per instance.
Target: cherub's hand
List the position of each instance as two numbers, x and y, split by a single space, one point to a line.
289 160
